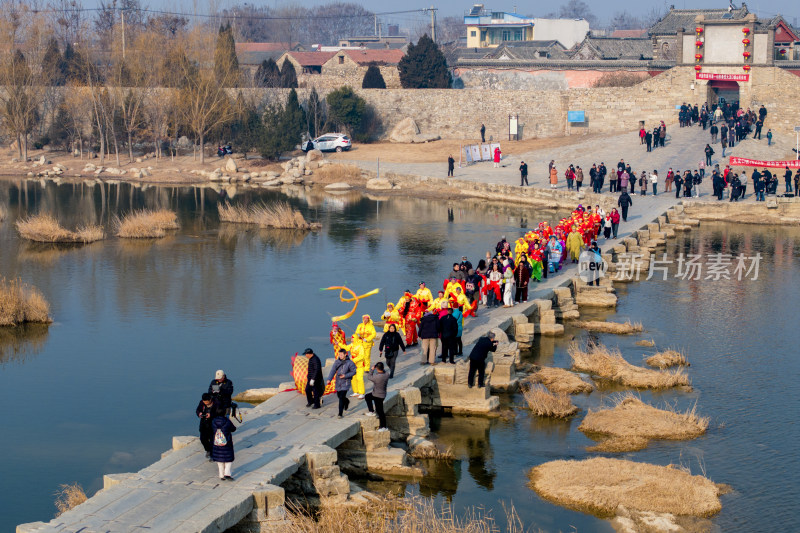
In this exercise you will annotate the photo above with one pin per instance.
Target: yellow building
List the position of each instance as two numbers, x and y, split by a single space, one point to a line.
491 28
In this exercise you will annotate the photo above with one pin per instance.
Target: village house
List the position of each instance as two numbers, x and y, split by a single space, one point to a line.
344 67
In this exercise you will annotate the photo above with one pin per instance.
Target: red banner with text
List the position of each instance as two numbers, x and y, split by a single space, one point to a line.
743 162
722 77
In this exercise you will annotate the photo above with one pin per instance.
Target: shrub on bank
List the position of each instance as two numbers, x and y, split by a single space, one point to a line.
68 497
21 303
560 380
279 215
609 364
616 328
666 359
45 228
146 224
631 421
545 403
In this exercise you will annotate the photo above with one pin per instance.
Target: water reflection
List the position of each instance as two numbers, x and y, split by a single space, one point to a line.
20 342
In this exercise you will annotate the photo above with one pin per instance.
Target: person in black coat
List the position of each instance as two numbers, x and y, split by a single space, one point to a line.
222 448
429 333
391 343
315 386
205 412
221 390
451 165
449 329
624 202
478 356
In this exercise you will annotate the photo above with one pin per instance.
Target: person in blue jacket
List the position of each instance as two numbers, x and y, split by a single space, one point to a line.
343 370
222 444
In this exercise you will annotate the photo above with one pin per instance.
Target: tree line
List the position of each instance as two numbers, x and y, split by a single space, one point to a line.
162 81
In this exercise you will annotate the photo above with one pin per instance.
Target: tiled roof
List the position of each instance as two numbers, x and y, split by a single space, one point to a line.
311 59
256 58
614 48
683 19
529 50
364 57
627 34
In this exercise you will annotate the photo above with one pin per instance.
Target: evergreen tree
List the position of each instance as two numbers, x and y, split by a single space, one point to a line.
54 67
268 74
226 64
424 66
346 109
373 79
74 66
288 75
283 126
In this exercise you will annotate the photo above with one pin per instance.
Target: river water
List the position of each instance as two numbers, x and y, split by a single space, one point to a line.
140 328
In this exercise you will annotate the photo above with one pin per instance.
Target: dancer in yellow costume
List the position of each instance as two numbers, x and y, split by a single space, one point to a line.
423 295
366 332
356 349
391 316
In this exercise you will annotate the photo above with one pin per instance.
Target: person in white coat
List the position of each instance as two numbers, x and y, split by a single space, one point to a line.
654 182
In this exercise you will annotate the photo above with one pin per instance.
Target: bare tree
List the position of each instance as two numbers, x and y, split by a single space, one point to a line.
450 29
78 105
68 20
203 101
21 75
577 9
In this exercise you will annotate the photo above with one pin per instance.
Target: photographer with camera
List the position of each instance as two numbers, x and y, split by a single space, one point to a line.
478 356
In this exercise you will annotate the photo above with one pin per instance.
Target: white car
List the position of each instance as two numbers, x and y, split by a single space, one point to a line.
329 142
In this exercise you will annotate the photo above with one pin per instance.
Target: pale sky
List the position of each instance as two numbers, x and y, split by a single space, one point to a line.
604 10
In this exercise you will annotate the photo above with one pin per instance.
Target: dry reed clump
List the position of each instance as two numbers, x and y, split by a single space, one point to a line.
385 515
45 228
69 497
616 328
631 423
337 172
609 364
648 343
666 359
279 216
146 224
433 452
600 485
545 403
21 303
560 380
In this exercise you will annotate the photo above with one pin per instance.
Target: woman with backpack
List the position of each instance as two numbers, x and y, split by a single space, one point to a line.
222 445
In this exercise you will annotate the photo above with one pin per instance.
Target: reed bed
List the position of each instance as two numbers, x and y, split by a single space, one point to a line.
667 359
600 485
545 403
609 364
630 424
560 380
146 224
433 452
617 328
21 303
337 172
69 497
388 515
647 343
279 216
45 228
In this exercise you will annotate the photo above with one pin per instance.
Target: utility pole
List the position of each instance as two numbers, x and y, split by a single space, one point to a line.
432 10
376 25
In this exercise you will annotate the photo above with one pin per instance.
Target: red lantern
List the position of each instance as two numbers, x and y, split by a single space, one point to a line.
698 43
746 68
746 54
698 68
698 29
746 41
782 51
745 30
698 56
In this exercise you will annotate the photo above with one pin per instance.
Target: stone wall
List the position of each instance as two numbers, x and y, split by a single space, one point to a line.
527 79
458 114
336 76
